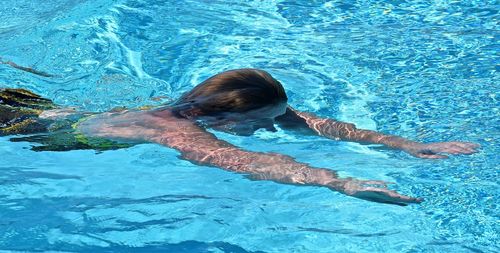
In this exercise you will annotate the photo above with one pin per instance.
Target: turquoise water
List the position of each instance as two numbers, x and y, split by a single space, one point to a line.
426 70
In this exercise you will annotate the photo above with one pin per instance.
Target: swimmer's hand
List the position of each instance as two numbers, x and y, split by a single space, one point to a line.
372 190
434 150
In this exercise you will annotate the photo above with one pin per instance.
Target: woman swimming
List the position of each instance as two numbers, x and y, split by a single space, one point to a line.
236 101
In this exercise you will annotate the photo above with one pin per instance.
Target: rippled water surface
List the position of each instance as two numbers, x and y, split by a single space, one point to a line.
427 70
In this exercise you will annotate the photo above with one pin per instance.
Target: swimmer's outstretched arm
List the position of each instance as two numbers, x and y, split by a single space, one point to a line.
348 132
201 147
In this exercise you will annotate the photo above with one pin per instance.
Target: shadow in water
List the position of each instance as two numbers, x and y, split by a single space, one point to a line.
77 224
182 247
24 175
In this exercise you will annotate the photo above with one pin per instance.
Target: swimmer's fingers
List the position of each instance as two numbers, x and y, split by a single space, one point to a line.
374 190
433 150
463 147
465 144
383 195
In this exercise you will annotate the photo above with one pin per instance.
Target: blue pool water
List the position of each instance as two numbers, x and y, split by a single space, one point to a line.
427 70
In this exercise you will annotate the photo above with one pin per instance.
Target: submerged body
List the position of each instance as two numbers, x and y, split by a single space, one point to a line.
238 102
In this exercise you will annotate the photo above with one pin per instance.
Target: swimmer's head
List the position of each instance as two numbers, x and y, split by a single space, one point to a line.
242 99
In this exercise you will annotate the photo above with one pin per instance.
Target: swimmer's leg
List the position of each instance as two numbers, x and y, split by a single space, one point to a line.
25 98
19 111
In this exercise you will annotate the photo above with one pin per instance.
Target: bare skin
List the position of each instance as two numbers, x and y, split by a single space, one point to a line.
201 147
338 130
185 131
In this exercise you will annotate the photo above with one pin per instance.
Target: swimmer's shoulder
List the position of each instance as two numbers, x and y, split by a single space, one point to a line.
134 124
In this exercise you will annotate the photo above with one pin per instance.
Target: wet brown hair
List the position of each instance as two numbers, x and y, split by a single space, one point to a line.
238 90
